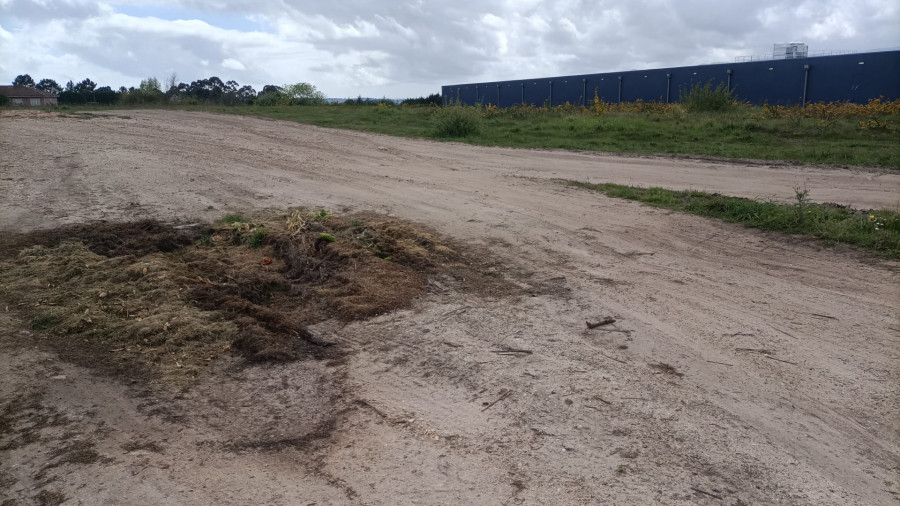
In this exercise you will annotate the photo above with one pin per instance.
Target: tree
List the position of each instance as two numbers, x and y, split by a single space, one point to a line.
246 94
150 85
85 87
80 93
270 88
303 94
23 80
105 96
49 85
150 91
433 99
171 88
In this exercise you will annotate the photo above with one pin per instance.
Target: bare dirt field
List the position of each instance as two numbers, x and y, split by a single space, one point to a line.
742 367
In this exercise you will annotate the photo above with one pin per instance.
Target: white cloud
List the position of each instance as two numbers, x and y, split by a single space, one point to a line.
231 63
411 47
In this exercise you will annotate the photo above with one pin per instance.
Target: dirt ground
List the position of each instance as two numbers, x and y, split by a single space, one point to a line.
742 368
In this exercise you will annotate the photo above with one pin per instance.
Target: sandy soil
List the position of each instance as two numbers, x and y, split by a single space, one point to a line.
743 368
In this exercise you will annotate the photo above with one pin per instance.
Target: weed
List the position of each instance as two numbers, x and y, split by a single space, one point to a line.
355 223
598 106
801 197
326 237
256 238
233 218
205 241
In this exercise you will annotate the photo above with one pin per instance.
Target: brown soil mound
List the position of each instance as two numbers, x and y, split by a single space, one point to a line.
154 297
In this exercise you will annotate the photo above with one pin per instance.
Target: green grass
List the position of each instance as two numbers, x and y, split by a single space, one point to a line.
735 133
873 230
731 134
256 238
233 218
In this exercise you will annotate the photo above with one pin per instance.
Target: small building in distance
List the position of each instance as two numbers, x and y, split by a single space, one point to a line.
24 95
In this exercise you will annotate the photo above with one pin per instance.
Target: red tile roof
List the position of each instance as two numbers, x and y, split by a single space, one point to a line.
24 92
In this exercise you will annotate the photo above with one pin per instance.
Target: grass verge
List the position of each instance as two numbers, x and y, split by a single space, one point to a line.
873 230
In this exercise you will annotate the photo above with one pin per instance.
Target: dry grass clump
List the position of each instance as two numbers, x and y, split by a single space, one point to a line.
132 307
148 296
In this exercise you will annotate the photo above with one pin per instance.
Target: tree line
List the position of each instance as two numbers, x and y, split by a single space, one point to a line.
202 91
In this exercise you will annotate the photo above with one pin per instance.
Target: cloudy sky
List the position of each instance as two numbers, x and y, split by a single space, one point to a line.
402 48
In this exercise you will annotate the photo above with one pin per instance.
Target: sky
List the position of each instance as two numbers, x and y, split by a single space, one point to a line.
409 48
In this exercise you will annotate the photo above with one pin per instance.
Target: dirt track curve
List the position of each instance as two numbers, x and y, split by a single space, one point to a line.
743 368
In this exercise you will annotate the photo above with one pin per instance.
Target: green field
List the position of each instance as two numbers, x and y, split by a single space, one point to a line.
870 140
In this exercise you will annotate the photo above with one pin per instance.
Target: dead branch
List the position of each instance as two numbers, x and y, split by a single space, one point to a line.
613 358
616 330
605 321
450 313
504 396
512 351
780 360
720 363
785 333
365 403
704 492
756 350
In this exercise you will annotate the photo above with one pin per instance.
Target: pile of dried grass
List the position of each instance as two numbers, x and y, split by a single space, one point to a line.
148 294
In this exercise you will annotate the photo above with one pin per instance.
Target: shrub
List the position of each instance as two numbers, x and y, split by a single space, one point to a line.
4 100
707 99
272 98
457 121
303 94
433 99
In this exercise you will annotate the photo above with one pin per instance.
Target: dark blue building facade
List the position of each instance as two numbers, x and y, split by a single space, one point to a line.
849 77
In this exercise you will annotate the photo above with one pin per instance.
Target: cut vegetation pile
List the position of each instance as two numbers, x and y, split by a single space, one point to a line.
168 300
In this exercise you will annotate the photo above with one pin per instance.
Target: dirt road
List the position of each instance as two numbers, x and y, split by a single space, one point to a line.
743 367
